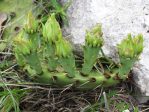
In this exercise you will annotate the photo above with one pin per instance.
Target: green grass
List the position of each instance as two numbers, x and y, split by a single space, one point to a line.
10 99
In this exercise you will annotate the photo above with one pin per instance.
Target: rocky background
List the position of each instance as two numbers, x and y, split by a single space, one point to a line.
118 18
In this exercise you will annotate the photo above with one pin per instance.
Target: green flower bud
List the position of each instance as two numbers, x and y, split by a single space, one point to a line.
94 37
138 44
31 24
22 44
131 47
97 30
125 48
51 30
63 48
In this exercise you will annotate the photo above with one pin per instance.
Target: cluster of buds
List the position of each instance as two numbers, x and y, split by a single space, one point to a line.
94 37
31 24
53 34
131 47
63 48
23 44
51 30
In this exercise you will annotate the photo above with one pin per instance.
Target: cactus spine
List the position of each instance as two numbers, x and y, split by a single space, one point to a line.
49 58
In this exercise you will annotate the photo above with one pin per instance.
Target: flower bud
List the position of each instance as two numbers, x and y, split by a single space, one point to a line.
63 48
94 37
22 44
31 24
138 44
51 30
131 47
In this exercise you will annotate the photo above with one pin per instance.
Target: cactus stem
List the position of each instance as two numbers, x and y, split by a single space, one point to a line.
90 57
79 82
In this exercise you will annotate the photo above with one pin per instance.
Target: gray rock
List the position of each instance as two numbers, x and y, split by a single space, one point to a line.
118 18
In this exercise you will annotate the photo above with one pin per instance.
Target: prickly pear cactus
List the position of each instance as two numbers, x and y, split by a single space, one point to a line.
48 57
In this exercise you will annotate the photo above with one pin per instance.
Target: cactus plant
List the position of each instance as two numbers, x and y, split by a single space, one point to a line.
51 60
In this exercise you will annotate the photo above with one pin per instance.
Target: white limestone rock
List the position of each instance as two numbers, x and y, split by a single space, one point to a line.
118 18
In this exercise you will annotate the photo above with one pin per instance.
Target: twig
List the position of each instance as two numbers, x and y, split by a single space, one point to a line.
106 102
8 69
145 110
68 87
6 53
